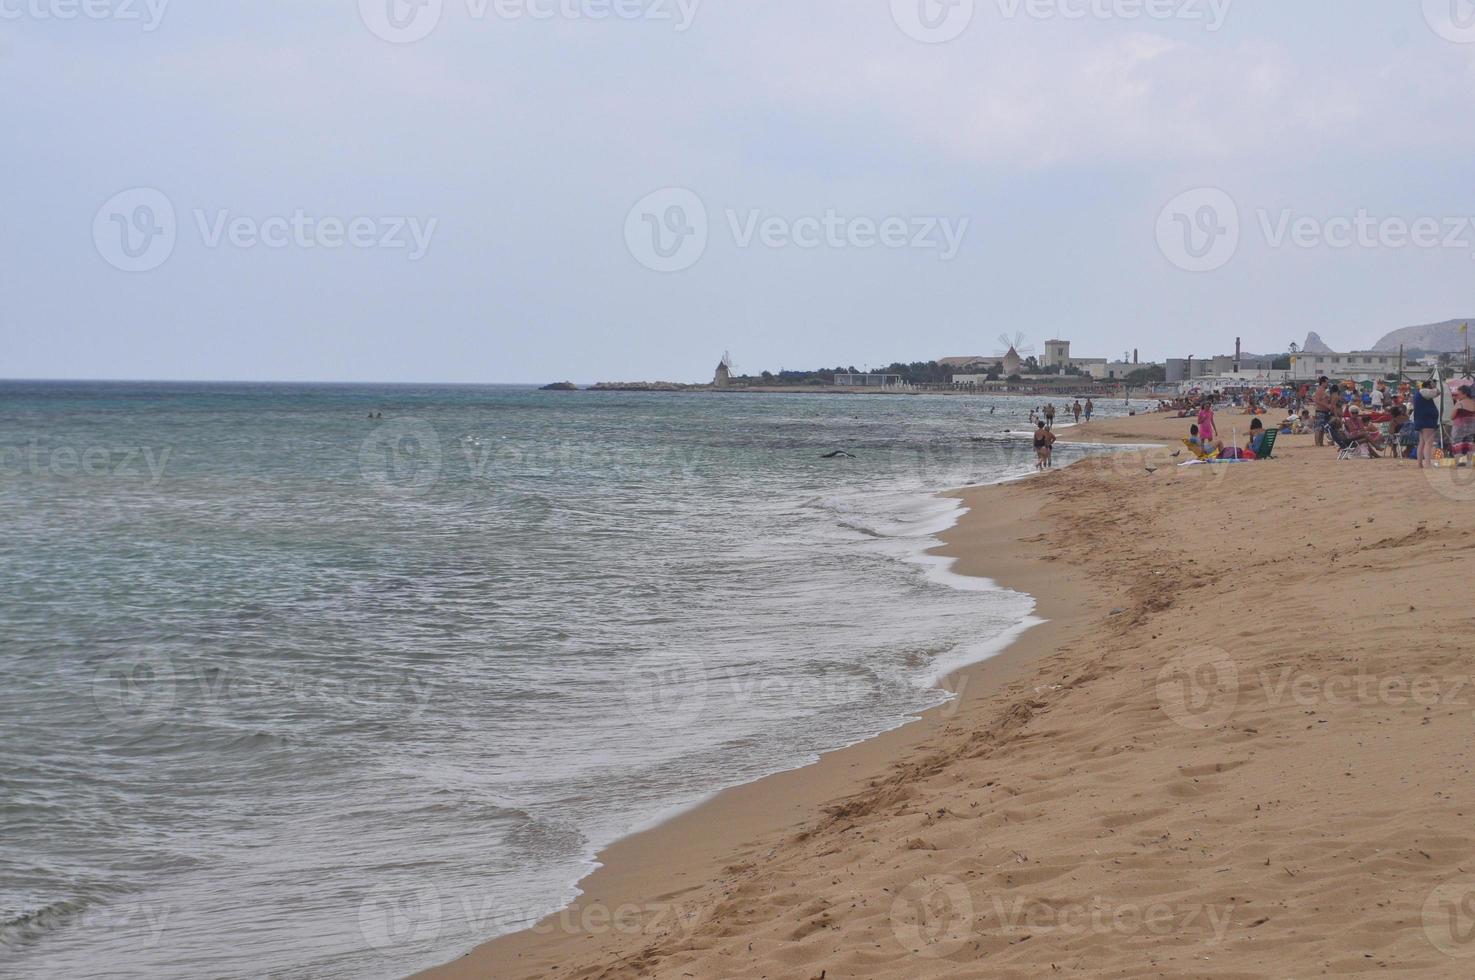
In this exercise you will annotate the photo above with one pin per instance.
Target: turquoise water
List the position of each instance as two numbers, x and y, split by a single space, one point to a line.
291 691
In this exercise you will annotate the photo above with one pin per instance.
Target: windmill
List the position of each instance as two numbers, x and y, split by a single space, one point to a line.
1019 344
725 371
1015 350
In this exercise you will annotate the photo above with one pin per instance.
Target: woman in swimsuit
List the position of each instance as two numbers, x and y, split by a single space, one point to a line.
1462 433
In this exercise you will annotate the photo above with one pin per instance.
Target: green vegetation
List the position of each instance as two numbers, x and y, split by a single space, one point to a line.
917 372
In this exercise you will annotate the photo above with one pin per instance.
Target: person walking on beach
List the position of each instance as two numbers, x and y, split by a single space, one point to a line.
1090 408
1206 420
1044 442
1426 421
1076 411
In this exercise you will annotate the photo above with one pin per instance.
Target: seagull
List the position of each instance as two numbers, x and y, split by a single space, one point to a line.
1177 454
1151 469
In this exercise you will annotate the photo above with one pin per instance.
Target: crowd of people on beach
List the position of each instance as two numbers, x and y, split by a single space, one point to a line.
1402 421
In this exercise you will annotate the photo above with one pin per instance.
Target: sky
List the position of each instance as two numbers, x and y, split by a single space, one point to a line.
588 190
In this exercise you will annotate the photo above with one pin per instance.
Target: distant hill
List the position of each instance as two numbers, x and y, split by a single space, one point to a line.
1315 345
1433 338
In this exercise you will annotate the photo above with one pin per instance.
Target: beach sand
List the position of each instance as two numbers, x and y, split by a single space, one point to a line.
1240 747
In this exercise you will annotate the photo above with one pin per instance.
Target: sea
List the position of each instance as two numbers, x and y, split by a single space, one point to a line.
338 681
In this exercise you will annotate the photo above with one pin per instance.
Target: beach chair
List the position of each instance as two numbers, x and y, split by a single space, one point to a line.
1347 447
1198 451
1267 444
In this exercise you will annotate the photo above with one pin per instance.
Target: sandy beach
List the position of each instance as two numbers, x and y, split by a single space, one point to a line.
1239 747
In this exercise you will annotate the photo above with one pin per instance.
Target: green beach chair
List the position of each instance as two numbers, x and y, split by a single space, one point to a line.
1267 444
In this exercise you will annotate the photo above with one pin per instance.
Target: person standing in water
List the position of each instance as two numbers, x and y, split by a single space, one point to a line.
1050 415
1090 408
1076 411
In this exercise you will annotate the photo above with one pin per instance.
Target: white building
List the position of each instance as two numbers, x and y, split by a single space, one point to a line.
1221 365
869 381
1057 355
1368 365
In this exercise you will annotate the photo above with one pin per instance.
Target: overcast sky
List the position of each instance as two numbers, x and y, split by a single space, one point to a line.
540 190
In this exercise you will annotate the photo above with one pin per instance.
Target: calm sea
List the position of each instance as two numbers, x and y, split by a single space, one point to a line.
290 691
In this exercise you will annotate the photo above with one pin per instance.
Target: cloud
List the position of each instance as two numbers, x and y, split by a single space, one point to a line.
1026 95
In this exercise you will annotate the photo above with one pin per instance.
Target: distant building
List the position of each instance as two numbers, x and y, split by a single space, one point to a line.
1120 370
1182 369
1057 354
723 376
963 363
974 380
1368 365
869 380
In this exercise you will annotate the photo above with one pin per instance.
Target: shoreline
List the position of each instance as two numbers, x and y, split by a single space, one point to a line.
1238 748
700 841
